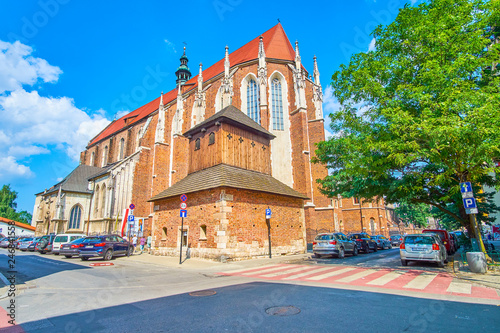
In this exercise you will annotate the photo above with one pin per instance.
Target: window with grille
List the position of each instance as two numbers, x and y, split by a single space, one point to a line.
253 101
75 217
277 105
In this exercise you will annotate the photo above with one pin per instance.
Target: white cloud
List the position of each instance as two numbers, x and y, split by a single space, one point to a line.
372 45
33 124
18 67
11 168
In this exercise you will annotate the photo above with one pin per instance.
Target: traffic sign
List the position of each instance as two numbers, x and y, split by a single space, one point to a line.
131 218
469 203
184 198
183 205
184 213
268 213
132 206
471 211
465 187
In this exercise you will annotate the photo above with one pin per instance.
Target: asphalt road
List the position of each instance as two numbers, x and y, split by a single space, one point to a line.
130 296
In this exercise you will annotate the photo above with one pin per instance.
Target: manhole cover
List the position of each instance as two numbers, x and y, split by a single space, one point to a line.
102 264
203 293
283 310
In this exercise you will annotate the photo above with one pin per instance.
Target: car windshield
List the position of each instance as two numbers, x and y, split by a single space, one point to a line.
324 237
79 240
419 240
61 239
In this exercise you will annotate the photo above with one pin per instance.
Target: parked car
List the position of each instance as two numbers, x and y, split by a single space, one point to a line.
23 245
382 242
4 242
364 242
19 240
72 248
423 247
445 238
456 242
105 246
32 246
64 238
336 244
44 245
396 240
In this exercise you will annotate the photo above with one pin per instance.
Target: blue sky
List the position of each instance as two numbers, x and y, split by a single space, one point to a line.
68 67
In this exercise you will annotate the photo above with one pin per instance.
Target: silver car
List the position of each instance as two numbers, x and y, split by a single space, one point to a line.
382 242
423 247
23 245
334 244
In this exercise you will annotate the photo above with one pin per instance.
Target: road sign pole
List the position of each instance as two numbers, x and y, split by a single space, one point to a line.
182 236
268 221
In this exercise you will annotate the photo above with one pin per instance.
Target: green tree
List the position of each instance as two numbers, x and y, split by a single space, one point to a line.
415 214
8 206
419 114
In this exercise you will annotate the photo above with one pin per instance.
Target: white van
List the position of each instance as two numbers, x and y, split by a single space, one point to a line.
64 238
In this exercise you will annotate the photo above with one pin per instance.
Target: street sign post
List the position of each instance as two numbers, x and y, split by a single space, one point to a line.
268 213
469 203
131 218
470 206
268 221
183 215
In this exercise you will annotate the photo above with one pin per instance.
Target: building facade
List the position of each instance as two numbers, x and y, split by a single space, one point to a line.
150 150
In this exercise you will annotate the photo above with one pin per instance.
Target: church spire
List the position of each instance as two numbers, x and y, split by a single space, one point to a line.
200 79
183 73
297 55
226 62
316 72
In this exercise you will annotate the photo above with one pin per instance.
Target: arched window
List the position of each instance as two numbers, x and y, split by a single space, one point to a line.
253 101
103 199
277 105
211 138
92 158
122 148
96 199
197 144
75 217
105 156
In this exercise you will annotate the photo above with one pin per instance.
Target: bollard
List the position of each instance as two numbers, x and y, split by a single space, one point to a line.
477 262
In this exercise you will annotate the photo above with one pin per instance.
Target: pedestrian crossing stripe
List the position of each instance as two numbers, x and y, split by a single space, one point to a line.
410 280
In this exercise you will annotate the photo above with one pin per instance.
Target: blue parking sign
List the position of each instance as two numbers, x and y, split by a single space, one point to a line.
131 218
268 213
469 203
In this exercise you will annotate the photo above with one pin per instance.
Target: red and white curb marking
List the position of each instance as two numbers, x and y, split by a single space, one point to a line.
408 280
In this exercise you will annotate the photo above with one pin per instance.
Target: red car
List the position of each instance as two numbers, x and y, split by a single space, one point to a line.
445 238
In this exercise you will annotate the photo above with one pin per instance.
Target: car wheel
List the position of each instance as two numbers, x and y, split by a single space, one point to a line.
341 254
355 252
108 255
84 258
367 249
390 246
67 256
130 251
404 262
441 263
375 249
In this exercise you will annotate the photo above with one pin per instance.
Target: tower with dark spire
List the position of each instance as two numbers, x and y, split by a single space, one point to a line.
183 73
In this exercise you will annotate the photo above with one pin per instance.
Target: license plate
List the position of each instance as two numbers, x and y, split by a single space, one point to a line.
417 249
89 246
323 244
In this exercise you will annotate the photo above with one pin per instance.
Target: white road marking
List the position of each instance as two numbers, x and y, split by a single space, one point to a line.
329 274
261 271
459 287
246 269
421 281
288 271
384 279
314 271
358 275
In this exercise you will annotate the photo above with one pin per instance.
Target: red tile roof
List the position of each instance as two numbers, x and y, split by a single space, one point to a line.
17 224
276 46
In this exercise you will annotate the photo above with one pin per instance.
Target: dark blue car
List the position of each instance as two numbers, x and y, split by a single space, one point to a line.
104 246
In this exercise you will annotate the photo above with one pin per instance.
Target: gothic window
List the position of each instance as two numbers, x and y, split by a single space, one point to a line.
103 199
122 148
277 105
211 138
75 217
105 156
96 200
253 101
197 144
92 158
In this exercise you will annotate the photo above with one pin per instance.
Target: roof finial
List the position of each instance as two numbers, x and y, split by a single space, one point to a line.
200 78
279 20
161 99
226 62
183 73
297 53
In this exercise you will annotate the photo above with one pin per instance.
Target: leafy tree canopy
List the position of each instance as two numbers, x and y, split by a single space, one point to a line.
8 206
419 114
415 214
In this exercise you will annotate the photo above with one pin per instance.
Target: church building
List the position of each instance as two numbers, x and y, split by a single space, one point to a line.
236 139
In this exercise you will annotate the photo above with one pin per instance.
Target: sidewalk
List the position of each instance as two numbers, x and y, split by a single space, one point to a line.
214 266
490 279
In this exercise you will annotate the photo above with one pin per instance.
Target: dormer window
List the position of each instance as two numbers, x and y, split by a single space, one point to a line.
197 144
211 138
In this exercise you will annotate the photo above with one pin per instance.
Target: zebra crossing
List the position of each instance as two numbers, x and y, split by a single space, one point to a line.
385 278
